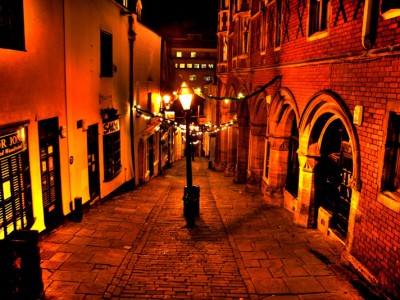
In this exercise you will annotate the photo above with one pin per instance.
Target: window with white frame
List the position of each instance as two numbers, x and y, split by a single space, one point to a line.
391 169
318 16
278 23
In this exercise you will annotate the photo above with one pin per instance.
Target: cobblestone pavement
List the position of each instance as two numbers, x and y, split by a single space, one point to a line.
136 245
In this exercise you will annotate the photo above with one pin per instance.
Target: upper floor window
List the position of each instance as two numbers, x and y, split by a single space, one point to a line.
178 54
197 66
211 66
204 66
106 54
225 49
181 66
192 54
192 77
391 173
189 66
207 78
12 35
278 23
318 19
390 9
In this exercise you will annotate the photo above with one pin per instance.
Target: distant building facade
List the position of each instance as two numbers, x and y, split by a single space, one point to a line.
318 124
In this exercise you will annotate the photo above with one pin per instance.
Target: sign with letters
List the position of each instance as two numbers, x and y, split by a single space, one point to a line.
12 143
111 127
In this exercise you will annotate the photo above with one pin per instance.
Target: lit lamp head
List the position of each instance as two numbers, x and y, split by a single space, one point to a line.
166 99
185 96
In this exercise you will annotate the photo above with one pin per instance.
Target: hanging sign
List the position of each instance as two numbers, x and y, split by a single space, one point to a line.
110 127
12 143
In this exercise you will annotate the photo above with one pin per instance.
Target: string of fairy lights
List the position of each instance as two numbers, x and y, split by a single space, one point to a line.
207 127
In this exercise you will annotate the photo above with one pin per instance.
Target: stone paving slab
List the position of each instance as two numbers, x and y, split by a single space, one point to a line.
136 246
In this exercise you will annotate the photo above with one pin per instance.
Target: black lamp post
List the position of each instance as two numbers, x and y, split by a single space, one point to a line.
167 99
191 193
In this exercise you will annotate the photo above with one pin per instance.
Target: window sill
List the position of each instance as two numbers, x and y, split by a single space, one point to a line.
391 200
317 35
392 13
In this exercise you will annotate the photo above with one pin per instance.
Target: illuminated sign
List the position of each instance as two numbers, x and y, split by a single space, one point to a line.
12 143
170 115
110 127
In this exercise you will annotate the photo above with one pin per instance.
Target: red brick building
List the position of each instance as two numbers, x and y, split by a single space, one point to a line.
318 121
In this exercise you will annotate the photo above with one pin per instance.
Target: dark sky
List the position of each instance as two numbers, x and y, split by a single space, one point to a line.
181 16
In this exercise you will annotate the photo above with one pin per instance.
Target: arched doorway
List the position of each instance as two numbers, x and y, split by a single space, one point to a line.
333 174
329 167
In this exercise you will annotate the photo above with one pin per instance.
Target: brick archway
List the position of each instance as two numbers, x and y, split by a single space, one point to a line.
324 108
256 141
282 137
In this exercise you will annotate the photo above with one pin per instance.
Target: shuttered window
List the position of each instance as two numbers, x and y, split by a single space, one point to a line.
15 186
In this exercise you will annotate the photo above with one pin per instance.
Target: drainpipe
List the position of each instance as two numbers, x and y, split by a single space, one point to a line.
131 38
371 8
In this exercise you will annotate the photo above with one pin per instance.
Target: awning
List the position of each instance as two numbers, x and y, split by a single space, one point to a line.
152 128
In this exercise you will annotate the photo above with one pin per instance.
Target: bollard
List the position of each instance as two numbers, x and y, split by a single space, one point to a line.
77 213
191 204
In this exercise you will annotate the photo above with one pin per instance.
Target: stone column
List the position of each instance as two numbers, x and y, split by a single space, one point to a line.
304 212
277 171
257 160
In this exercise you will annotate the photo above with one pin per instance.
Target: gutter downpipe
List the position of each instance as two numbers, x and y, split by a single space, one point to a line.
131 38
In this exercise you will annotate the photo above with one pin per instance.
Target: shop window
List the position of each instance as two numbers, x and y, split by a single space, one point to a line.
106 53
318 18
15 185
390 9
391 169
12 35
111 149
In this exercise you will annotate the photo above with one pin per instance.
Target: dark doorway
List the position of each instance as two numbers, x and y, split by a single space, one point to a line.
50 171
333 175
93 161
150 143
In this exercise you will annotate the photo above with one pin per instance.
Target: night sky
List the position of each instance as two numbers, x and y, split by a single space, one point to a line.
181 16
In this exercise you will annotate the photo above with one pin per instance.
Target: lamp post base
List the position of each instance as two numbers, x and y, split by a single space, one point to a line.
191 204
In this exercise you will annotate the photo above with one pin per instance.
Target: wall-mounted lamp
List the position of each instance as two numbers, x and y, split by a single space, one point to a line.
82 124
63 131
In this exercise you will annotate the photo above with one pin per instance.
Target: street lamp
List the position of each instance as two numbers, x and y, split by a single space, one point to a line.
167 99
191 193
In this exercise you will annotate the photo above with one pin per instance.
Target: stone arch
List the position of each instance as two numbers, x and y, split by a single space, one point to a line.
281 149
326 118
256 142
